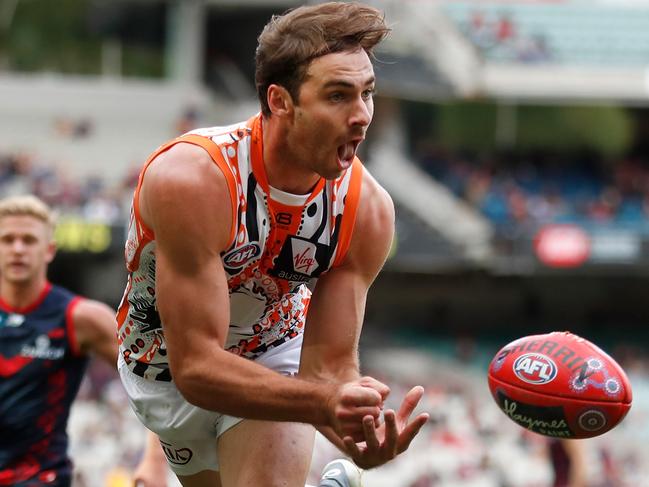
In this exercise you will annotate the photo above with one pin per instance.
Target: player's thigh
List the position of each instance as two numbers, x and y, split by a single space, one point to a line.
272 454
206 478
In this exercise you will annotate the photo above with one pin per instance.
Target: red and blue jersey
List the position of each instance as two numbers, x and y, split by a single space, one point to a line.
41 369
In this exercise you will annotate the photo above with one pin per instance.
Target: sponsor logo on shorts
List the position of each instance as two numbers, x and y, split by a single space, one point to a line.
535 368
176 456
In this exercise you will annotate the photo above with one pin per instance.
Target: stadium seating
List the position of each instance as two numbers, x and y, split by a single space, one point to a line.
612 34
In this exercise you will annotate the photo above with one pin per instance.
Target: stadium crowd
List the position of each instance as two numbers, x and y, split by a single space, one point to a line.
92 198
537 187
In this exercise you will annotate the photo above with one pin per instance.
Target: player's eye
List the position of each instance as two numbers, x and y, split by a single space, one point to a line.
367 94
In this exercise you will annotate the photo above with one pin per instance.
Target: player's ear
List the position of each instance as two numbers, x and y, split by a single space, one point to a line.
51 251
280 101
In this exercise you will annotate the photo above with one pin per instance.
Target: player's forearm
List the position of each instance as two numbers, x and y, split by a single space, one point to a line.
233 385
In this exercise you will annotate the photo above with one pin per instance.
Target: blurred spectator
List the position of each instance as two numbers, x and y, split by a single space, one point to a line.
22 173
73 128
188 120
537 188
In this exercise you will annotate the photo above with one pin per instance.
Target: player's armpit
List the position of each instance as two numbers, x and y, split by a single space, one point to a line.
95 328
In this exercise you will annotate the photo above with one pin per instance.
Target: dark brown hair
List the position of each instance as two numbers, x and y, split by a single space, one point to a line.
289 42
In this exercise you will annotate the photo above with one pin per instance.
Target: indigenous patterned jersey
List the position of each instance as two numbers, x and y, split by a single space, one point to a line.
40 373
280 243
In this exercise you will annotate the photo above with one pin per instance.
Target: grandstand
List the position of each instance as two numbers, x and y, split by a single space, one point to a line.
459 84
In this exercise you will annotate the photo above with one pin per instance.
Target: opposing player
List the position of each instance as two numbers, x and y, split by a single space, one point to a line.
252 245
46 337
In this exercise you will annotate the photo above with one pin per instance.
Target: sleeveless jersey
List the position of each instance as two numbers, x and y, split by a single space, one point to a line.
279 244
40 373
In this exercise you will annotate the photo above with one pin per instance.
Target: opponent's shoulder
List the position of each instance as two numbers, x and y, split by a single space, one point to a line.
89 313
94 327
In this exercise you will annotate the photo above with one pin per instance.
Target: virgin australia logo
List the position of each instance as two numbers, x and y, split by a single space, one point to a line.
304 259
41 349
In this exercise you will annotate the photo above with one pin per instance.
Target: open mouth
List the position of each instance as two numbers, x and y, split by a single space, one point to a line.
346 153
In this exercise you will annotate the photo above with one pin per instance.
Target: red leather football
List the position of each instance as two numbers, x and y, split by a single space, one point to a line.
559 385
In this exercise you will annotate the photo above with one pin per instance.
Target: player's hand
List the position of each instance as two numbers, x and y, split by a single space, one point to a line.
381 444
353 401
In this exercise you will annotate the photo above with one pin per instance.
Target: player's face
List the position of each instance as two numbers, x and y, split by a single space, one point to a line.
334 110
26 248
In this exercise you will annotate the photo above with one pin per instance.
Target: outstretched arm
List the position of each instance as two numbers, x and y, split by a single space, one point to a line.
334 322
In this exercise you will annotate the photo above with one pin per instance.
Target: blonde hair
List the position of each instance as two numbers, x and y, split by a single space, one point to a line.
28 205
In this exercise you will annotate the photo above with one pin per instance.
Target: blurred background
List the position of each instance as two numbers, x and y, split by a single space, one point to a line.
513 136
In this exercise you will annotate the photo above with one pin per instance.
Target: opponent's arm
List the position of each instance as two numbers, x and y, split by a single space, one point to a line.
334 322
184 199
95 328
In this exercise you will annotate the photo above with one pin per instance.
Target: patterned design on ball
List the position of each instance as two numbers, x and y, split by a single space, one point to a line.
612 387
596 376
497 364
595 363
592 420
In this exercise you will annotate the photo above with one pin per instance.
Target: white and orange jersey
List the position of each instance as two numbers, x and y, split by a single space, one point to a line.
280 243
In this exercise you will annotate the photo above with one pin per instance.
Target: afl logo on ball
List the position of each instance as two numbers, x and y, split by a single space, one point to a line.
535 368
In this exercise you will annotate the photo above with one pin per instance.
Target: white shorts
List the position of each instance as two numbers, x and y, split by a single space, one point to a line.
188 433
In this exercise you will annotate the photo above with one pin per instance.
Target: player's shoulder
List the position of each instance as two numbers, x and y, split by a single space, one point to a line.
59 295
194 155
373 228
183 166
376 206
221 134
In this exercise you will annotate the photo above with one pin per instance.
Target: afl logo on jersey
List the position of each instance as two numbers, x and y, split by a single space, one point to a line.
237 258
535 368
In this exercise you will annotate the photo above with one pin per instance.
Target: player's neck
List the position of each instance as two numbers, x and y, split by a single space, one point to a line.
283 171
21 295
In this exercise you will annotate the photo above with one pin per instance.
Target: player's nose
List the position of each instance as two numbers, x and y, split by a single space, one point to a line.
361 113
